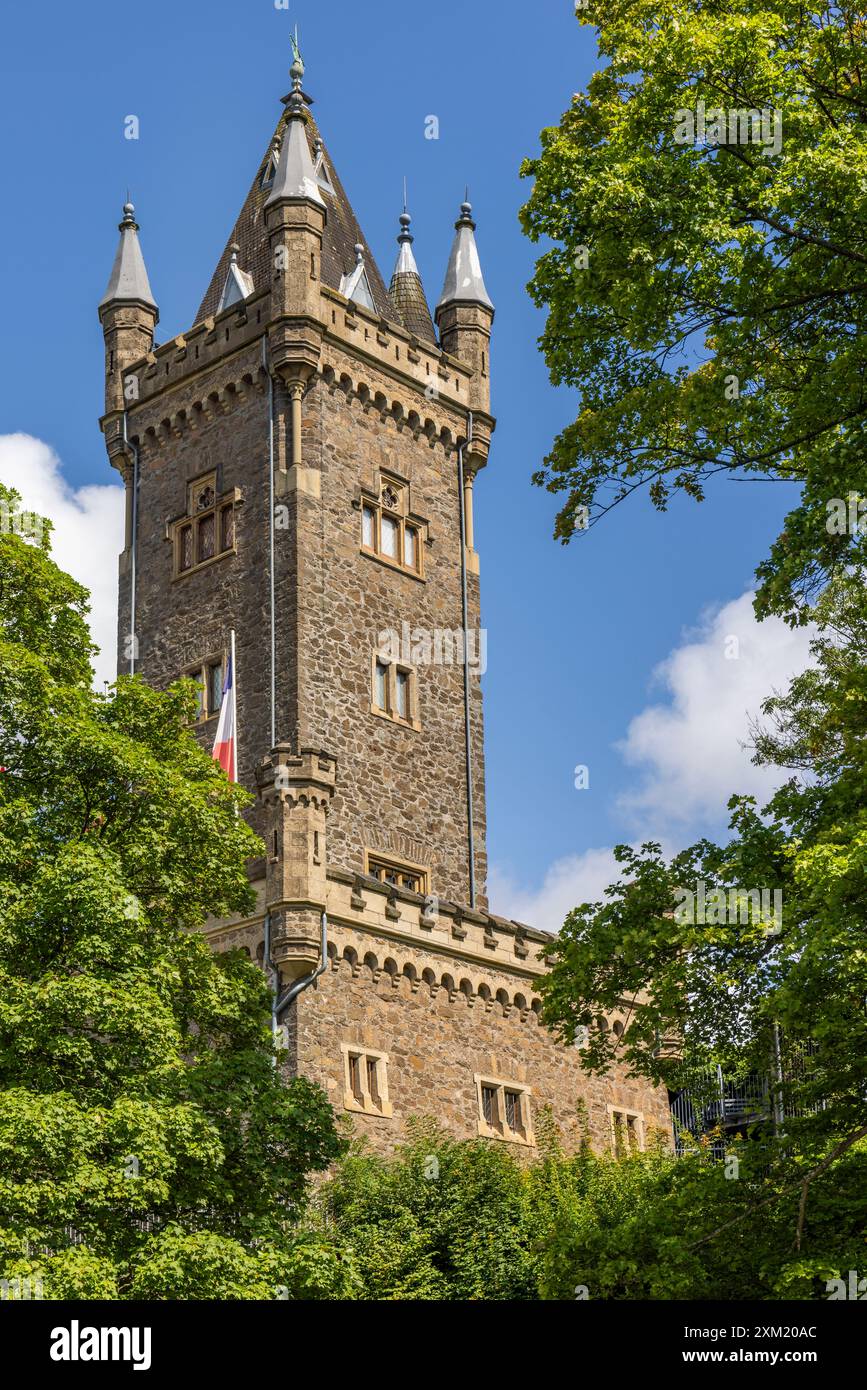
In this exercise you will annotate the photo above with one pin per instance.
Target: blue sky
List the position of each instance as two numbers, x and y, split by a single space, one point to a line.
574 634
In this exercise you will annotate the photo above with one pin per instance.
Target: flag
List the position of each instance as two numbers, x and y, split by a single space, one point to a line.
225 743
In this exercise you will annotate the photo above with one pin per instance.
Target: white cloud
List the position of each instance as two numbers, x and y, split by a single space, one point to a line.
575 879
690 749
87 535
688 752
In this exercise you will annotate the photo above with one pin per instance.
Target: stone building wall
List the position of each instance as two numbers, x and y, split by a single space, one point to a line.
446 1001
399 790
205 406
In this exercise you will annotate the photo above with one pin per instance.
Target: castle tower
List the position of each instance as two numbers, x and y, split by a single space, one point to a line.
300 469
128 314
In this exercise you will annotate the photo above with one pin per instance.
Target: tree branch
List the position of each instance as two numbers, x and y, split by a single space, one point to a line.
775 1197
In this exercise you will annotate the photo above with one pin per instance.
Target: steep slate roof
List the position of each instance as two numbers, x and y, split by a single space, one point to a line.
342 232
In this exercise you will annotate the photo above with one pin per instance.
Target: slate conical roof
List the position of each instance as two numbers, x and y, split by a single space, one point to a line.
406 291
342 232
129 277
464 282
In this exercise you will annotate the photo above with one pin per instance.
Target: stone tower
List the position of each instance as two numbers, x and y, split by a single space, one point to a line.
300 468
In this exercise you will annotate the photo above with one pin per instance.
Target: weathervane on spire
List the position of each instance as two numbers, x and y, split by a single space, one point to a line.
297 60
295 100
405 220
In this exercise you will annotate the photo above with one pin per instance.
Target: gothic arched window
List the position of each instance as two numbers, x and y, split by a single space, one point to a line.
388 529
207 530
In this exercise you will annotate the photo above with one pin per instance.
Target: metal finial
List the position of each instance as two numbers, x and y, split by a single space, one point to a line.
295 100
466 217
404 233
404 192
296 72
234 248
128 215
359 252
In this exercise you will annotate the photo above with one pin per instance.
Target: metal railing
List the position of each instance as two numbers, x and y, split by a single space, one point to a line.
710 1104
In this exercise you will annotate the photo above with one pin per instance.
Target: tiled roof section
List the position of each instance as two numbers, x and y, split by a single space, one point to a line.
338 246
406 293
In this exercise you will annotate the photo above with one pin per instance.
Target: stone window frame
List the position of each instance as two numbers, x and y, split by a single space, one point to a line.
363 1102
201 672
374 862
391 498
501 1129
634 1126
390 712
218 507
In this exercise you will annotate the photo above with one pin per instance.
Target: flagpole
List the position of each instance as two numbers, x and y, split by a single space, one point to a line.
234 697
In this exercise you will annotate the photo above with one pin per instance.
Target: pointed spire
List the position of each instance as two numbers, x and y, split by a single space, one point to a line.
295 176
129 278
464 281
406 291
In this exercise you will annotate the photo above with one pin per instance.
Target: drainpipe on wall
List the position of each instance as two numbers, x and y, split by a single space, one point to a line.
134 545
271 541
270 973
291 994
467 738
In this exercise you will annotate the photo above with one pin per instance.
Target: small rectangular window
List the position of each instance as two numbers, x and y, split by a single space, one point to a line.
215 687
389 537
415 880
368 527
504 1110
381 687
206 538
227 528
489 1105
365 1080
513 1110
626 1131
410 547
393 691
185 548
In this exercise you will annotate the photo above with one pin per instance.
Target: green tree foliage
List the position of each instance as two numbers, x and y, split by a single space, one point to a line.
652 1226
442 1219
148 1145
455 1220
708 299
721 982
